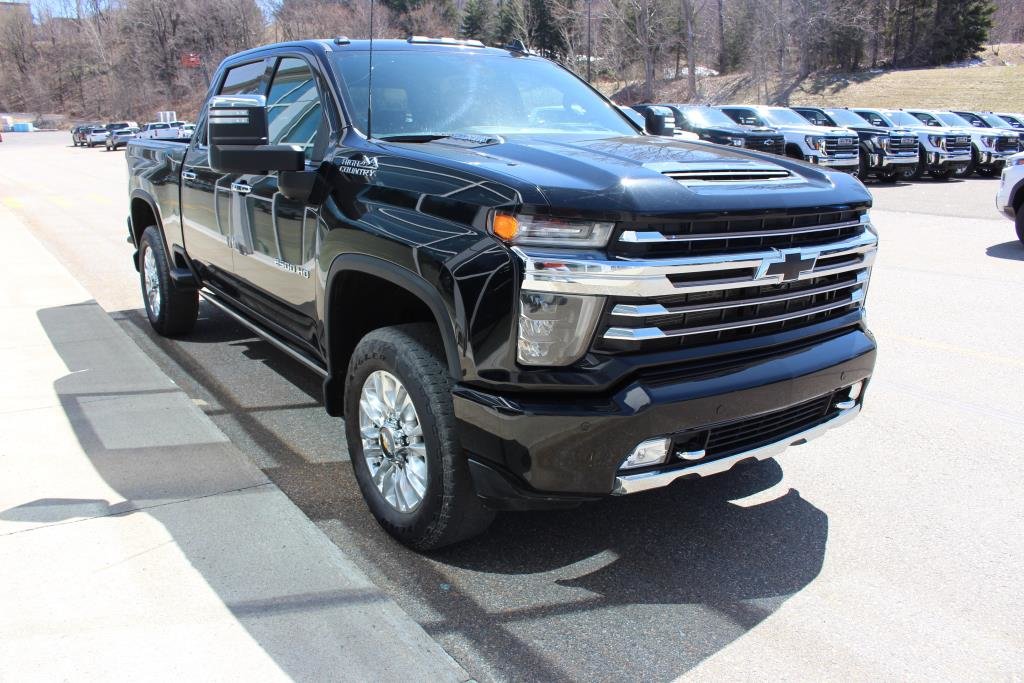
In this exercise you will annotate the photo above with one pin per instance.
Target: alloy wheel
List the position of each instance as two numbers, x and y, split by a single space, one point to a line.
392 438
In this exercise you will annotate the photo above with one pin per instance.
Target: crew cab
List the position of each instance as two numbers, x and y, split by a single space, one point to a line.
886 153
942 154
712 125
833 147
515 297
988 120
990 147
1010 198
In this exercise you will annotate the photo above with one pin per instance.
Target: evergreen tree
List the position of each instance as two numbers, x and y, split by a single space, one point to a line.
965 26
511 23
476 20
545 36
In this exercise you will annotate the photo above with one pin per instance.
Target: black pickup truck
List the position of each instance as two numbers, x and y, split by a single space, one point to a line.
714 126
515 297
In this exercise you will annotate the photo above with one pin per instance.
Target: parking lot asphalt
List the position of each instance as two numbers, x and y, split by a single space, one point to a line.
889 548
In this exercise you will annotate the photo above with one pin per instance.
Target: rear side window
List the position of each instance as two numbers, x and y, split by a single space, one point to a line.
294 111
246 79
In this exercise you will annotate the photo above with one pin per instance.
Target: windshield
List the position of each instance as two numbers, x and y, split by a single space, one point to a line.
902 118
996 121
843 117
440 92
785 117
1015 121
951 119
706 116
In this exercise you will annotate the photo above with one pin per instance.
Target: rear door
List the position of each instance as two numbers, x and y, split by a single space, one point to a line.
213 209
275 265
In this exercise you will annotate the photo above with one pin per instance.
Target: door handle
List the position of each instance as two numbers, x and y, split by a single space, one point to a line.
241 188
188 175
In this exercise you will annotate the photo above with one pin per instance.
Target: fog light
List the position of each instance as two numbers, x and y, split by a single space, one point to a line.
555 329
851 397
650 452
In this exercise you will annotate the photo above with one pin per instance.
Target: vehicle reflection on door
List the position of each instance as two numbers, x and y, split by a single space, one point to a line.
274 255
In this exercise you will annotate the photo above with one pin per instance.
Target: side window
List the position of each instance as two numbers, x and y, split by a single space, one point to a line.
246 79
294 111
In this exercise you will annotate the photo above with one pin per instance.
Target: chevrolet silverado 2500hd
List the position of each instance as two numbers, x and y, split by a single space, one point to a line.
515 297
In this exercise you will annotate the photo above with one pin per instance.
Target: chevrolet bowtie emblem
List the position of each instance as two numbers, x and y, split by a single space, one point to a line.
791 267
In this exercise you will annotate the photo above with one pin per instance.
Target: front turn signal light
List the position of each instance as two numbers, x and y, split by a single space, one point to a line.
505 226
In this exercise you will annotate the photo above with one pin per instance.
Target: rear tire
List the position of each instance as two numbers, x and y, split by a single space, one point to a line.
388 441
172 312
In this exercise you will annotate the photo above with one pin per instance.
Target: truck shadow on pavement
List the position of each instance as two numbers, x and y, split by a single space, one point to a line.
1013 250
653 583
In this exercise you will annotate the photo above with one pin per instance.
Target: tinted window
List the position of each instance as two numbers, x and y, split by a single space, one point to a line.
294 112
246 79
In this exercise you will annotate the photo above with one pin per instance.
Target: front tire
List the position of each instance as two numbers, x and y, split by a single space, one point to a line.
942 175
400 428
172 312
1019 223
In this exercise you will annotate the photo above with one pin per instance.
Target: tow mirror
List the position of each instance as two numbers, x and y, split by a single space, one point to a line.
659 121
237 132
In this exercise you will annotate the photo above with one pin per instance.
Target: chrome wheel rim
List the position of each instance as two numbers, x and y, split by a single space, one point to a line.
392 438
151 282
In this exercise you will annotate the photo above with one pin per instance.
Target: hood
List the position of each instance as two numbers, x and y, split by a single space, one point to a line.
811 129
627 175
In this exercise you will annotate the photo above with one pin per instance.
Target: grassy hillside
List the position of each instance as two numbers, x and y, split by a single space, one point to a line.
996 83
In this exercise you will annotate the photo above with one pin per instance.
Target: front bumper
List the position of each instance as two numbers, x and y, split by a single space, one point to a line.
941 161
889 160
835 162
993 158
543 452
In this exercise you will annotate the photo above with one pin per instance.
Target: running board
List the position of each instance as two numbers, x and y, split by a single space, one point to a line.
269 337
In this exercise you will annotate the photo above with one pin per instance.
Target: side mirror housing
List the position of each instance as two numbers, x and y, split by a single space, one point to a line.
660 121
237 132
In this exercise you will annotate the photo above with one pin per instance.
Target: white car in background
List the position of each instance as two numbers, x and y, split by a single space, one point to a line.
1010 198
96 135
120 137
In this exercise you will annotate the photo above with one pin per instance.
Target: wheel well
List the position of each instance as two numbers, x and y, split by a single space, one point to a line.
793 151
143 216
1018 199
360 303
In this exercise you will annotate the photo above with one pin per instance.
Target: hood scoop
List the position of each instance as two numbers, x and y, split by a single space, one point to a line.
739 174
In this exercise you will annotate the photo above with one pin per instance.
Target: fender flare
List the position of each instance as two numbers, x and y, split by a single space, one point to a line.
184 278
404 278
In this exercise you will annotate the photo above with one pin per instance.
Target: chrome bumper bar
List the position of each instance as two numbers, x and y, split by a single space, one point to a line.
634 483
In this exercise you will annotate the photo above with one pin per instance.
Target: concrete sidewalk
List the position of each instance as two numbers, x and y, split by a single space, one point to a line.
137 542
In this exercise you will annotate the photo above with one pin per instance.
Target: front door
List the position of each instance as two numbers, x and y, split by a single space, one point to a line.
212 217
274 265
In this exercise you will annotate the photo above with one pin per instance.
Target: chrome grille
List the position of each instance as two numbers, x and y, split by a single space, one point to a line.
720 315
735 234
1008 144
903 145
958 144
842 146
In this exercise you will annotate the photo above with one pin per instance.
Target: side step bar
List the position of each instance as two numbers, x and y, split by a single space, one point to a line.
267 336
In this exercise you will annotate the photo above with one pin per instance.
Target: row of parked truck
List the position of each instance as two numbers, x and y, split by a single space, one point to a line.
887 144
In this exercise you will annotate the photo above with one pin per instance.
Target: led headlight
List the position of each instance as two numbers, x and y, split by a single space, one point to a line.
883 142
936 140
736 142
555 329
815 141
550 232
988 140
